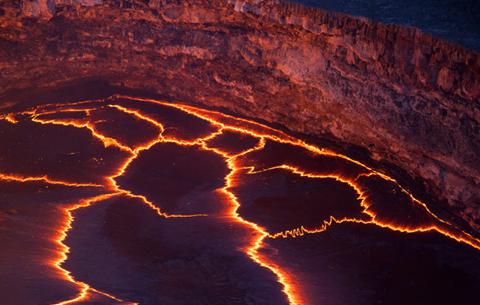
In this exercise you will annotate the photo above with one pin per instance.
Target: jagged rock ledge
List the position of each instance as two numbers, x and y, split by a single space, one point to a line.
409 98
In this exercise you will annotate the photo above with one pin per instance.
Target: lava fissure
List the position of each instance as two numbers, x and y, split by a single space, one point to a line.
63 256
45 178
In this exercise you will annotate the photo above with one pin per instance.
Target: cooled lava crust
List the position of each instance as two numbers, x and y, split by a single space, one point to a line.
410 99
137 201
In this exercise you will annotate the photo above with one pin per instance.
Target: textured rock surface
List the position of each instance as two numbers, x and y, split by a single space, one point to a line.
38 8
409 98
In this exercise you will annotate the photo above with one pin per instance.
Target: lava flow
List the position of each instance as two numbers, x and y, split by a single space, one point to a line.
243 189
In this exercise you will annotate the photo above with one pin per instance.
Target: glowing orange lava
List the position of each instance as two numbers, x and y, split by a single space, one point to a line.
9 117
45 178
85 289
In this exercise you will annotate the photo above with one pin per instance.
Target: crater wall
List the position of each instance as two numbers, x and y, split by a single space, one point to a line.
409 98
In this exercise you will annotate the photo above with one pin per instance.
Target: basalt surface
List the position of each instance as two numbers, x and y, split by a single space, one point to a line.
166 203
410 99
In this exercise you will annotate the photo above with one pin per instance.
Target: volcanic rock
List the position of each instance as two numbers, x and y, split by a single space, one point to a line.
411 99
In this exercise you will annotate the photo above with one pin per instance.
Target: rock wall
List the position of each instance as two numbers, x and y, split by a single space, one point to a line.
409 98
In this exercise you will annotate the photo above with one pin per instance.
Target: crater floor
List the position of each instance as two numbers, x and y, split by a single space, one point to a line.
137 201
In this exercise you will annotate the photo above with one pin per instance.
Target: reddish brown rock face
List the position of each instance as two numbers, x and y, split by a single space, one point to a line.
412 100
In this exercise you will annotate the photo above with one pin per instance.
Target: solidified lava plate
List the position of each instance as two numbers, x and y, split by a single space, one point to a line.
137 201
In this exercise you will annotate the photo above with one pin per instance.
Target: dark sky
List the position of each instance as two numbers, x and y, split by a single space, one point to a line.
454 20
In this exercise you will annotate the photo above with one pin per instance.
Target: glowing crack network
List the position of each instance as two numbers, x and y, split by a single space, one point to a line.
251 160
